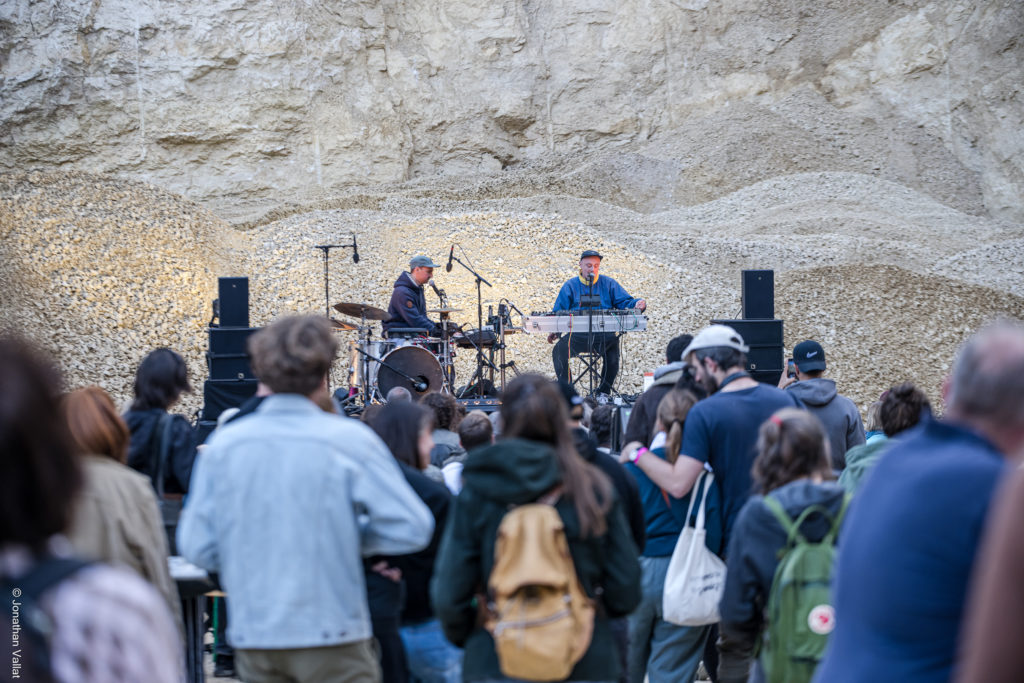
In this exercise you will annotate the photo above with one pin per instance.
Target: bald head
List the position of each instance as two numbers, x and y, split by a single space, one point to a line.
988 379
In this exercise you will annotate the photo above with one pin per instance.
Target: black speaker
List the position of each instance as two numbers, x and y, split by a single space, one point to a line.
619 424
229 366
229 339
487 405
233 293
758 294
221 394
764 337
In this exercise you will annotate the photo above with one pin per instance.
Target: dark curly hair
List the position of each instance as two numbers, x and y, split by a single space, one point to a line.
902 408
791 444
446 412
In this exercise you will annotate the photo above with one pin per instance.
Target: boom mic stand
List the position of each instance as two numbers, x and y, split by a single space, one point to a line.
479 324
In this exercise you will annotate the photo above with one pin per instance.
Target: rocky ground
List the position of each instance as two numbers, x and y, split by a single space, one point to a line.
101 270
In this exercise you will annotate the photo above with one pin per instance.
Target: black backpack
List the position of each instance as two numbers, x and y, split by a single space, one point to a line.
29 629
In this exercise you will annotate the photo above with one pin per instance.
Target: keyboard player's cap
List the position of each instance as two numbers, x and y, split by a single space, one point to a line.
714 336
590 252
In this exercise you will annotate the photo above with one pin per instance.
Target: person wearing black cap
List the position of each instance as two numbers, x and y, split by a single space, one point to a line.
819 396
408 307
591 291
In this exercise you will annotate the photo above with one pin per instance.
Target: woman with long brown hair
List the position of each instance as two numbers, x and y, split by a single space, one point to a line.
116 517
794 468
534 457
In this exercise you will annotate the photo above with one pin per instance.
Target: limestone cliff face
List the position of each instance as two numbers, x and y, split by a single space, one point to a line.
256 101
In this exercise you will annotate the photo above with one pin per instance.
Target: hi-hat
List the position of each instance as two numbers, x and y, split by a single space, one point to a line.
362 311
444 310
341 326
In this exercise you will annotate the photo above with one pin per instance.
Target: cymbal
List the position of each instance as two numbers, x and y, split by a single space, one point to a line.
360 310
444 310
341 326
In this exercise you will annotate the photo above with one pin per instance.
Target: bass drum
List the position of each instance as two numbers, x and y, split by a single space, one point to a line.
414 361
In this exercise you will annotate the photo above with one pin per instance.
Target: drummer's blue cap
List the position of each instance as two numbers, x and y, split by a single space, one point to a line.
422 262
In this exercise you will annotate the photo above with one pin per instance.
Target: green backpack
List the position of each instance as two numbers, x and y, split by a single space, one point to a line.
799 612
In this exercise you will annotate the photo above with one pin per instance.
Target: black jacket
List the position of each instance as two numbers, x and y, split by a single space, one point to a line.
408 307
143 448
625 484
513 472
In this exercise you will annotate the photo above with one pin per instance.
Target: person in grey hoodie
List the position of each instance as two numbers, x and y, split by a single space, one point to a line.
820 397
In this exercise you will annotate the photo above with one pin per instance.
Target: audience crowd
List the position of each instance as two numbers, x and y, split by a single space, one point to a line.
370 547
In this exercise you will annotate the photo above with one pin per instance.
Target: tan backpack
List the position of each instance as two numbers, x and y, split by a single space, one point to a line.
537 612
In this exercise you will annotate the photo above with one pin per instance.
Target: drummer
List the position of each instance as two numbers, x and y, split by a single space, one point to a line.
408 307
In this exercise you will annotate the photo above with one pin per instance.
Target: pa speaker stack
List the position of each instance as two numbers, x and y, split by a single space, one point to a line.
231 380
760 330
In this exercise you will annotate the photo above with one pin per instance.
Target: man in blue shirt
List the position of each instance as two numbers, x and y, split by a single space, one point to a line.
721 430
589 291
909 543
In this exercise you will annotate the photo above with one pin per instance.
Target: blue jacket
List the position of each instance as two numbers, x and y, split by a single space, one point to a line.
909 543
408 307
611 292
285 503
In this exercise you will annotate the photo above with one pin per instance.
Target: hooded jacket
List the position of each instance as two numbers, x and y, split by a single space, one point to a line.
144 448
645 411
838 413
753 556
513 472
408 307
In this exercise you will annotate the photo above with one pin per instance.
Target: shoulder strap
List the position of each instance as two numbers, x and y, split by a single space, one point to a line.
700 489
830 537
48 573
162 435
792 529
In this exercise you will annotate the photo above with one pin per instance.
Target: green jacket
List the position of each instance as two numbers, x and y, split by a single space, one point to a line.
513 472
859 461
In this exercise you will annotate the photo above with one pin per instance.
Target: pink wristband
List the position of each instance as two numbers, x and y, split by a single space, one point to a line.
637 453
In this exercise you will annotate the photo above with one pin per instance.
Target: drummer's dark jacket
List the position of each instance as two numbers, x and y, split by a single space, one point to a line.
408 307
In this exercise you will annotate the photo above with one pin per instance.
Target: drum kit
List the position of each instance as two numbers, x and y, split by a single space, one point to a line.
421 364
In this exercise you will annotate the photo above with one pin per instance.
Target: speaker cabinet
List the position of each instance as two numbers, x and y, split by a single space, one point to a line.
758 295
229 339
764 337
233 293
221 394
229 366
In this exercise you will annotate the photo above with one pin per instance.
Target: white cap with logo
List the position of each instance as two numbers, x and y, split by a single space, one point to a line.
716 335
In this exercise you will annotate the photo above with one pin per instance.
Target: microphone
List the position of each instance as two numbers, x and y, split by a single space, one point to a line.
451 254
355 250
420 384
439 292
515 308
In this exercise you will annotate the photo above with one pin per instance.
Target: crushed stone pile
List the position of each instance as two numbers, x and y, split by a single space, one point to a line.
890 280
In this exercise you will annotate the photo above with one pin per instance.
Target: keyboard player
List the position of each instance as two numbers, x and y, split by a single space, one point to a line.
590 290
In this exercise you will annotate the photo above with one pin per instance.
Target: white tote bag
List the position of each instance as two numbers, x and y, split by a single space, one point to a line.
696 576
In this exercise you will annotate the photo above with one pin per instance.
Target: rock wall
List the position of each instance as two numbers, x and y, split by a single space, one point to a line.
246 106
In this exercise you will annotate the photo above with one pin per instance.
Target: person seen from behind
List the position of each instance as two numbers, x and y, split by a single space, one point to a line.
659 650
106 624
285 503
475 431
160 380
535 457
911 537
406 429
902 407
116 517
792 469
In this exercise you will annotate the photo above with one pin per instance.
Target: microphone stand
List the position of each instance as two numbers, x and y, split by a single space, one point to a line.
590 335
479 324
326 249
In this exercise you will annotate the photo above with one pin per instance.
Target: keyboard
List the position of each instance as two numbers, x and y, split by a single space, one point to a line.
576 322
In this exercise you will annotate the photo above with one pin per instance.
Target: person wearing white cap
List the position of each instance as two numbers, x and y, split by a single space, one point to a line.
720 431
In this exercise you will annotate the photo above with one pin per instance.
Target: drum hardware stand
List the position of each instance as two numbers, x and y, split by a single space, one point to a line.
326 249
479 326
